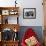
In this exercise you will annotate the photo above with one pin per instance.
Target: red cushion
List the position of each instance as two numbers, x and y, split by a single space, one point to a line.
29 33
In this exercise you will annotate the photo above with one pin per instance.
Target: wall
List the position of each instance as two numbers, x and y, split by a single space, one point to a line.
39 13
27 4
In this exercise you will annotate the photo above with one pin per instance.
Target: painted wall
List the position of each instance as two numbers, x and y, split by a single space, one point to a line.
39 13
27 4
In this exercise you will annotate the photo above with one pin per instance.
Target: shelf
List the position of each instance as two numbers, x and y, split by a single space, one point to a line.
7 23
11 41
9 10
10 26
9 7
6 12
10 19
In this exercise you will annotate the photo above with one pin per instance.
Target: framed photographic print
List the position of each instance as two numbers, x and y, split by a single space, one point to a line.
5 12
29 13
13 12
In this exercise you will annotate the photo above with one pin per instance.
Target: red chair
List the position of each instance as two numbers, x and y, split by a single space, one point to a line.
29 33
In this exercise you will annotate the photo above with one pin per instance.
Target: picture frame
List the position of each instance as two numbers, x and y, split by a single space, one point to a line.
29 13
13 12
5 12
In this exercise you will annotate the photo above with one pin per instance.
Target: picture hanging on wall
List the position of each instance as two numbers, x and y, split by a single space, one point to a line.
29 13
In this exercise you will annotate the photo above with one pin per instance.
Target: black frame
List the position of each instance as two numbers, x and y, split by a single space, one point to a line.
30 9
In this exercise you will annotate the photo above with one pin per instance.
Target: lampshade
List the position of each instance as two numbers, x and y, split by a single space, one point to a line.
15 3
15 30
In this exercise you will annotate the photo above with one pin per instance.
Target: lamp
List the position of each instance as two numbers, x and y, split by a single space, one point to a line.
15 3
15 37
15 30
